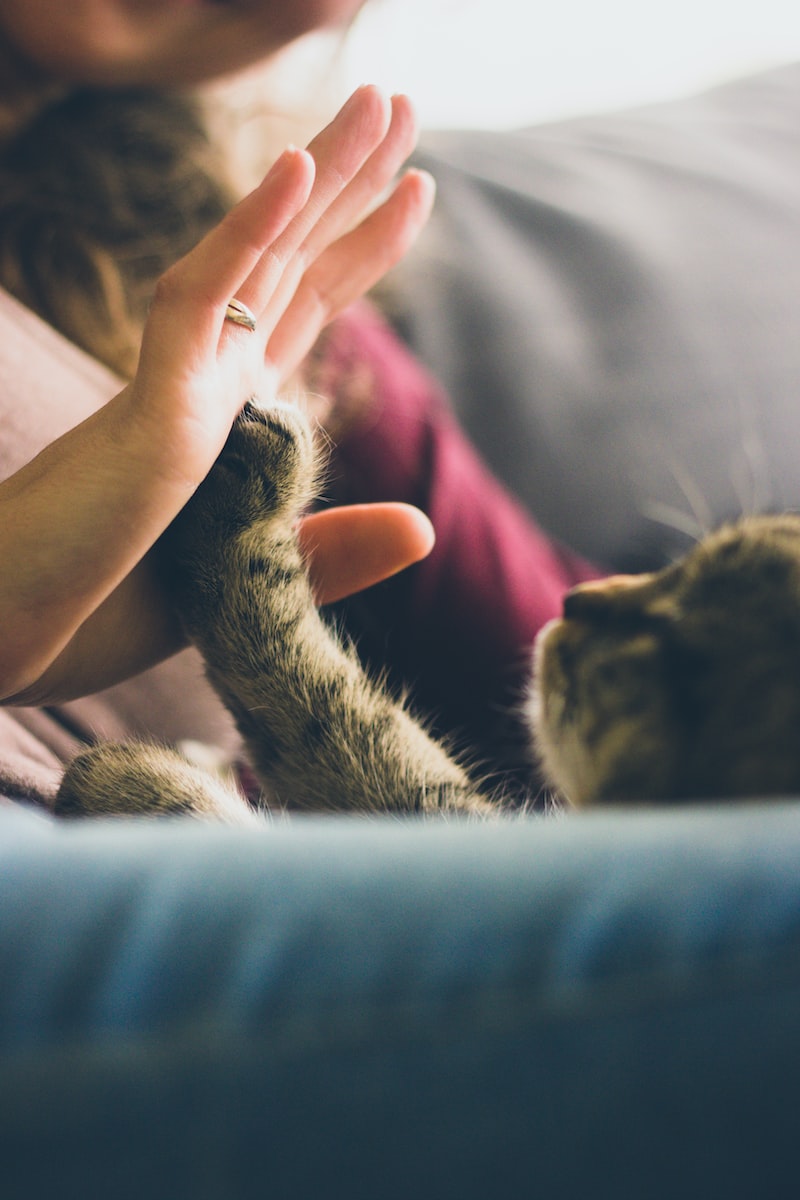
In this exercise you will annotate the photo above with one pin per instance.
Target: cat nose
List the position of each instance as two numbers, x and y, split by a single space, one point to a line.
594 598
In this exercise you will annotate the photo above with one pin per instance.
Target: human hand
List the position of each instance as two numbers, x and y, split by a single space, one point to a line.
294 253
80 603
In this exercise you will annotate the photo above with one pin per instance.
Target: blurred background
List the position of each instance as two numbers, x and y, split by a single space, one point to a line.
495 63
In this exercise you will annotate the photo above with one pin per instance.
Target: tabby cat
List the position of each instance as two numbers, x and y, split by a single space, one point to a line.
673 686
680 685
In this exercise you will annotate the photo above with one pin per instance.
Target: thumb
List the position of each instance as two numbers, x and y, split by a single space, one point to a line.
352 547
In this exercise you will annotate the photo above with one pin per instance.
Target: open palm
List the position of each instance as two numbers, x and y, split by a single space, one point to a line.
294 253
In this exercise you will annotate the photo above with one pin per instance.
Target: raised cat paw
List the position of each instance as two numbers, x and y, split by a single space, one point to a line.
265 471
262 480
268 460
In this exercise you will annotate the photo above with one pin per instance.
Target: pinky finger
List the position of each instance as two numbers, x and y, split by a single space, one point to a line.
349 268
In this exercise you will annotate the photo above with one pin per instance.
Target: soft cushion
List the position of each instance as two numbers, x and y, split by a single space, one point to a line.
613 305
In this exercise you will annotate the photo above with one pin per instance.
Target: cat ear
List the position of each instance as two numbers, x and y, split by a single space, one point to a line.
602 595
618 596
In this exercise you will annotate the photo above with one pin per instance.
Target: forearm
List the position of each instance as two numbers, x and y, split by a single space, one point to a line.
74 523
133 629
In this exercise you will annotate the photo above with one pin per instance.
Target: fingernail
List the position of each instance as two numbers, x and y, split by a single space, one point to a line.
284 162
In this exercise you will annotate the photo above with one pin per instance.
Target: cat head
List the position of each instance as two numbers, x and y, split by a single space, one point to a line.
679 685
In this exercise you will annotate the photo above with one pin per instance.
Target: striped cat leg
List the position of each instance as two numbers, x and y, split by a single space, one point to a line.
321 735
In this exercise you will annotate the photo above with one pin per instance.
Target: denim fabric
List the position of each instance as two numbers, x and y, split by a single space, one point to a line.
605 1005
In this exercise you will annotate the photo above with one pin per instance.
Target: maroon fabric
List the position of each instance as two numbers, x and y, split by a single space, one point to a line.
458 627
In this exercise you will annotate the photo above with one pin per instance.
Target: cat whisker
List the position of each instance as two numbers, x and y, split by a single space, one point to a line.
754 474
674 518
694 495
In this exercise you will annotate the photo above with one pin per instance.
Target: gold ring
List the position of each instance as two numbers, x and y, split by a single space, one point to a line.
240 314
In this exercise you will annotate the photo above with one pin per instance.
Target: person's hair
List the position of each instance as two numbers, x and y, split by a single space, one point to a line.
99 193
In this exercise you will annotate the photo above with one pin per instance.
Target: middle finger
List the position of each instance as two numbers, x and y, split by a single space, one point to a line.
339 152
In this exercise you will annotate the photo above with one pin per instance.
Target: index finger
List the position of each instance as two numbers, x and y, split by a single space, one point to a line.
192 295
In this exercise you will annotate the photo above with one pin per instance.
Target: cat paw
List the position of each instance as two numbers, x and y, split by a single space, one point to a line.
267 462
138 779
264 476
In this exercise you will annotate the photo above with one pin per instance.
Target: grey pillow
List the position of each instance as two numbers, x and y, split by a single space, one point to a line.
614 305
